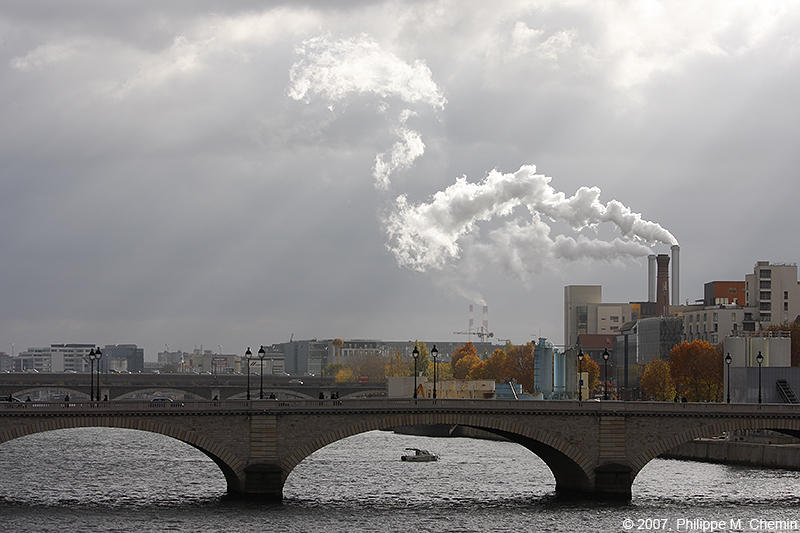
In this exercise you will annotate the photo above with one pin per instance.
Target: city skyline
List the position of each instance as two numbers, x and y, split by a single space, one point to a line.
188 174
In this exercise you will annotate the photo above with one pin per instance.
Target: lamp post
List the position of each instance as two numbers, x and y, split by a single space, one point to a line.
759 360
261 354
728 361
98 354
580 375
247 355
605 371
434 354
415 355
91 359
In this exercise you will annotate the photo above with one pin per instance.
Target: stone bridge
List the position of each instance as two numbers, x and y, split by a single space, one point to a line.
182 386
593 448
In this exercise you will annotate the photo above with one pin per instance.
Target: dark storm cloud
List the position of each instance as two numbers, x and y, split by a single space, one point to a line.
158 184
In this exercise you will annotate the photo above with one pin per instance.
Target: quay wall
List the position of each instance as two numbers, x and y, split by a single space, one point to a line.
786 456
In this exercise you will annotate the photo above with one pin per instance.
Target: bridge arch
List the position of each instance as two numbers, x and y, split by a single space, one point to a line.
74 394
160 391
707 428
231 466
571 467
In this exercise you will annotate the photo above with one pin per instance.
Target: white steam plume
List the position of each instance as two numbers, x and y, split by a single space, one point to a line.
404 152
429 235
336 69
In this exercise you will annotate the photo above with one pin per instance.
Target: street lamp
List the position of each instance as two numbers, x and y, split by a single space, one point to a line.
91 359
415 354
434 354
728 361
759 360
605 371
580 376
98 354
247 355
261 355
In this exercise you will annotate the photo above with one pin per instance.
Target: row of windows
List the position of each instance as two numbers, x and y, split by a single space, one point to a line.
714 317
767 295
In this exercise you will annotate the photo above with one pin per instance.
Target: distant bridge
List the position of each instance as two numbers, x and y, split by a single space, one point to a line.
592 448
184 386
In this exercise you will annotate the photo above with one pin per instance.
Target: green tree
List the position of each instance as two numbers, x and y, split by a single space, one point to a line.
656 381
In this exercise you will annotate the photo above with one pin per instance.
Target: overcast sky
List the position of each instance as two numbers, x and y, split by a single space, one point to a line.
199 173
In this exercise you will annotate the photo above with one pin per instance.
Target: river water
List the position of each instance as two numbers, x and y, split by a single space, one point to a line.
100 479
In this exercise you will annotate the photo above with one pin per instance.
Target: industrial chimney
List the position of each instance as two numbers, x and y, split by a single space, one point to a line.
651 278
676 272
662 287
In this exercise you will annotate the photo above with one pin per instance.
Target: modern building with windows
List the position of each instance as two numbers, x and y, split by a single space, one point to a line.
56 358
724 293
122 357
773 290
714 323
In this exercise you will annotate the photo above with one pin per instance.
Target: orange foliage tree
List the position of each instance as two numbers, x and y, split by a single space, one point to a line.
520 364
593 369
656 380
497 367
461 351
696 369
464 365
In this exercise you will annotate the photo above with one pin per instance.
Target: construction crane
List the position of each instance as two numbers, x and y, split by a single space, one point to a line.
482 334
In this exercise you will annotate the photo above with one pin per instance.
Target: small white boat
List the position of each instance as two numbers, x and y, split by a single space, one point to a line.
419 456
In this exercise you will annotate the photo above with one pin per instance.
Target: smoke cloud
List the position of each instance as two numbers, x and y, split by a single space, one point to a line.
403 154
430 235
336 69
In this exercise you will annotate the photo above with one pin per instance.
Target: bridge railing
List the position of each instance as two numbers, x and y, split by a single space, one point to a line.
401 404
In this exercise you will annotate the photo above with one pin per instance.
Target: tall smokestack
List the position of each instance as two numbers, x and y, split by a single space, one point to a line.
676 275
651 278
485 323
662 288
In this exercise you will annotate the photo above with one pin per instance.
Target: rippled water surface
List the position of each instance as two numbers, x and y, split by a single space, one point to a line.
122 480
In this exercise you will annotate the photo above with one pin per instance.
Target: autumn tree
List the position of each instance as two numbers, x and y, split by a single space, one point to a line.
396 366
593 370
520 364
461 351
371 365
444 371
465 365
656 381
424 366
344 375
696 370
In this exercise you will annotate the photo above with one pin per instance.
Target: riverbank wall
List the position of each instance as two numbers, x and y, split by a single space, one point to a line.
786 456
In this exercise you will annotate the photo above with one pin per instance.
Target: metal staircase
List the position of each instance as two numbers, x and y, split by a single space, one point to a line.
786 392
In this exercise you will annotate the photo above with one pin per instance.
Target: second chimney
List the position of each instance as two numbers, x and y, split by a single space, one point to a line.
662 285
